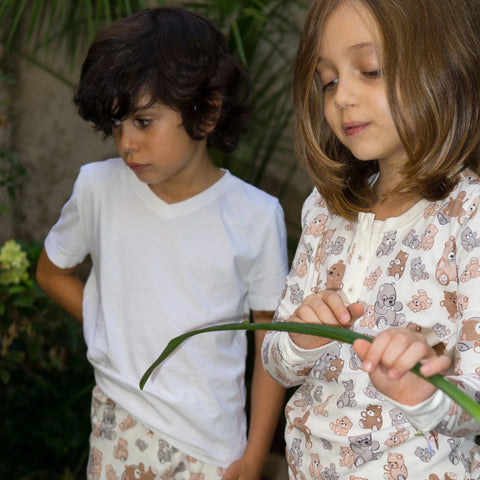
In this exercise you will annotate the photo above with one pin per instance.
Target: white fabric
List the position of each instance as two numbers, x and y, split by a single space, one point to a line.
420 270
160 270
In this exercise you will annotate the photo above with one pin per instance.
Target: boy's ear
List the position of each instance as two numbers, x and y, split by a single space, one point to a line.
211 123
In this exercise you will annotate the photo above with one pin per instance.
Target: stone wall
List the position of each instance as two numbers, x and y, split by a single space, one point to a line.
49 139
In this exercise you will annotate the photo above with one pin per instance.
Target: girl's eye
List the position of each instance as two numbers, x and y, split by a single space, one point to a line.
373 74
330 85
116 123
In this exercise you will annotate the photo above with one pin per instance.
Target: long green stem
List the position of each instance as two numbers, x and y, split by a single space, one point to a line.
334 333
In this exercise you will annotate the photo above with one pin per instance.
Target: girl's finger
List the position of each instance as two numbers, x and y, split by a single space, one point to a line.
340 314
412 354
438 365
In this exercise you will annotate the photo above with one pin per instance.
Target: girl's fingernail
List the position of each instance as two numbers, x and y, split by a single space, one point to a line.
393 374
425 370
367 366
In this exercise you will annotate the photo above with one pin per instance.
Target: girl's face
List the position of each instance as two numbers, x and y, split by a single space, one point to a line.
355 100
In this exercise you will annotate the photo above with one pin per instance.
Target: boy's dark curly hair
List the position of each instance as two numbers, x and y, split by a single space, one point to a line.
176 57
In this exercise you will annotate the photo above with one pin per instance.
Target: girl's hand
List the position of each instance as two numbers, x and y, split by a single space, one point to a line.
326 308
389 358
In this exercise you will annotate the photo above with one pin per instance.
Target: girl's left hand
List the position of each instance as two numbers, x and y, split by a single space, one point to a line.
389 358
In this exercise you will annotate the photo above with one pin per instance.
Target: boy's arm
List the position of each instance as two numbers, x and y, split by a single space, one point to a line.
266 400
61 285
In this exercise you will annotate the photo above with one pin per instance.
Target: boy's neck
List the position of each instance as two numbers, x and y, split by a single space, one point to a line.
175 192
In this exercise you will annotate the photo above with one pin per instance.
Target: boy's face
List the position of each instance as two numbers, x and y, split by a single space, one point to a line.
355 99
154 144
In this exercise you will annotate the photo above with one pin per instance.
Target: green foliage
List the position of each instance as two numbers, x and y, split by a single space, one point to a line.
45 379
52 22
10 172
263 35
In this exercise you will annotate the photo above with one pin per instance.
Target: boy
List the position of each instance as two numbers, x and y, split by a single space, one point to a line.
176 244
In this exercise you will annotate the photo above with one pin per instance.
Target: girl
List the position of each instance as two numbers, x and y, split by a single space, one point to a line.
388 125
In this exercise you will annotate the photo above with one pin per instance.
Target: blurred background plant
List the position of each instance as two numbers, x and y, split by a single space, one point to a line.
45 380
262 34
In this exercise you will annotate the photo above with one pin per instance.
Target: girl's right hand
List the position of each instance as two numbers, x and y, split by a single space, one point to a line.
325 308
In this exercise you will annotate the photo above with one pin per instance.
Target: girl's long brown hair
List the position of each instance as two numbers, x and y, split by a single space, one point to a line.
431 62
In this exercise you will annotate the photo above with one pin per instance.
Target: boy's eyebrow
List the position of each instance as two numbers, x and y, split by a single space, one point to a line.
144 108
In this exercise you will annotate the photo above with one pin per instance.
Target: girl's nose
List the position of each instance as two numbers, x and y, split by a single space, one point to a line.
345 94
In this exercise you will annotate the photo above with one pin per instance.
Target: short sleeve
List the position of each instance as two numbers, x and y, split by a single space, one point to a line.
66 244
270 269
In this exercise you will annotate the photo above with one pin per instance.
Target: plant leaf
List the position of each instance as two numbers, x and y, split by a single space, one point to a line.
327 331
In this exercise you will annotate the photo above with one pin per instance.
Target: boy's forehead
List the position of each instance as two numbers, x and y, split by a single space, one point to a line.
144 102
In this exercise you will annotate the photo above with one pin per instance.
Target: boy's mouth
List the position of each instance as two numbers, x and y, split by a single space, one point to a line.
136 167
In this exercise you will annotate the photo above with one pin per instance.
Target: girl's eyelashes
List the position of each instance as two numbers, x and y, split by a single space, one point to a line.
373 74
330 85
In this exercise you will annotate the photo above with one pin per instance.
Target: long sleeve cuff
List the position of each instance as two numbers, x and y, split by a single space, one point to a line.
427 415
296 355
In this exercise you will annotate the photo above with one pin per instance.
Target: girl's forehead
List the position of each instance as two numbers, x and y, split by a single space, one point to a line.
350 26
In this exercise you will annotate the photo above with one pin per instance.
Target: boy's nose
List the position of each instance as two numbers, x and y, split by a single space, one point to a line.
125 139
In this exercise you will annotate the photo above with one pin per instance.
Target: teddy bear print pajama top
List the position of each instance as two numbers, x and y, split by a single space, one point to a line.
420 270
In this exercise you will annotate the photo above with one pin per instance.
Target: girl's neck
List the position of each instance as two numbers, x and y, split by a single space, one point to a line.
392 207
390 204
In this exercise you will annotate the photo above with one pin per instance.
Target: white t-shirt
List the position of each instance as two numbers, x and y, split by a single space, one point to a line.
160 270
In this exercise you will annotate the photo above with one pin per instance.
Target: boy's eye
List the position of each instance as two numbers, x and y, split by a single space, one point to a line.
144 122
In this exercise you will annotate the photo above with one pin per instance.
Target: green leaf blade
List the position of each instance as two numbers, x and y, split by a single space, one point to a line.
327 331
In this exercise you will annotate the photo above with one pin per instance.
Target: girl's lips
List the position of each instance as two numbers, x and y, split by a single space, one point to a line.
352 128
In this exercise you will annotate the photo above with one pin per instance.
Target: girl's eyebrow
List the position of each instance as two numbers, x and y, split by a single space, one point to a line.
358 46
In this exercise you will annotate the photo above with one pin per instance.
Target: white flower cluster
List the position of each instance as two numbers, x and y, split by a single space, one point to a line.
13 264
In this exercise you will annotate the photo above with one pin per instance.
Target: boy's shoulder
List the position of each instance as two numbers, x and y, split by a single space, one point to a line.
102 167
246 203
98 175
237 186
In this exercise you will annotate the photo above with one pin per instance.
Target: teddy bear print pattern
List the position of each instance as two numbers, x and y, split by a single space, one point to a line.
133 451
419 270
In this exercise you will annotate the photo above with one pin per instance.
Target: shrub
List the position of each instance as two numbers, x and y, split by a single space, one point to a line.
45 379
